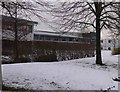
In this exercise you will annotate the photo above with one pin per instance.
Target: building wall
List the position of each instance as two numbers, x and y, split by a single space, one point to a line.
39 37
24 28
109 44
52 36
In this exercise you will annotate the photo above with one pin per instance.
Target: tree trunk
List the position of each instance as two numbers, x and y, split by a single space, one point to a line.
1 53
98 48
16 37
98 32
16 42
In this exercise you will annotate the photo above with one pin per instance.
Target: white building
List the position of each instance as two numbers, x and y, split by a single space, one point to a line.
109 44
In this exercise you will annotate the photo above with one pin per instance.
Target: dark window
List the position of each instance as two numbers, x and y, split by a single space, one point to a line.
56 39
36 37
70 39
63 39
41 37
101 48
109 41
47 38
109 48
77 40
101 41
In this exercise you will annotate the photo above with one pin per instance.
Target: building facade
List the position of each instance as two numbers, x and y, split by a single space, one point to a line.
109 44
68 37
24 28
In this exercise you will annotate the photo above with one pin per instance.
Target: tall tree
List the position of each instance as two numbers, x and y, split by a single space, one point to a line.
79 16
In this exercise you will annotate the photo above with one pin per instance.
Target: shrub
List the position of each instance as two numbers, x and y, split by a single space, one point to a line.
116 51
47 58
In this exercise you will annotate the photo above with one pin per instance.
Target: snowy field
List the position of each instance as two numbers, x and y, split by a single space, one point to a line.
79 74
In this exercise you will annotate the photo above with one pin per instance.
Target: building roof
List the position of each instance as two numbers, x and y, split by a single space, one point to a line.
8 19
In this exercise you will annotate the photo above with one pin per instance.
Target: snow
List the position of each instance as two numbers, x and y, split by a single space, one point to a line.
79 74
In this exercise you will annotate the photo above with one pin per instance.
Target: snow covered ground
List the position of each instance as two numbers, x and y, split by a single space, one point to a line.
79 74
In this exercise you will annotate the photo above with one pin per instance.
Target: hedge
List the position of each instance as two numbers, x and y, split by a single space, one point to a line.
48 50
116 51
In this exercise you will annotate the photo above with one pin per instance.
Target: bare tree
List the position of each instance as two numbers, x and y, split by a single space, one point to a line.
116 33
79 16
22 9
117 8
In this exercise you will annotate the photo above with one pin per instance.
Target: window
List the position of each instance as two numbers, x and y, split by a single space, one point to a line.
56 39
109 48
109 41
41 37
47 38
101 41
101 48
36 37
63 39
77 40
70 39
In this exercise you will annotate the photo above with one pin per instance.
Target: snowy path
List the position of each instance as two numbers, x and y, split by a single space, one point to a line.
79 74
